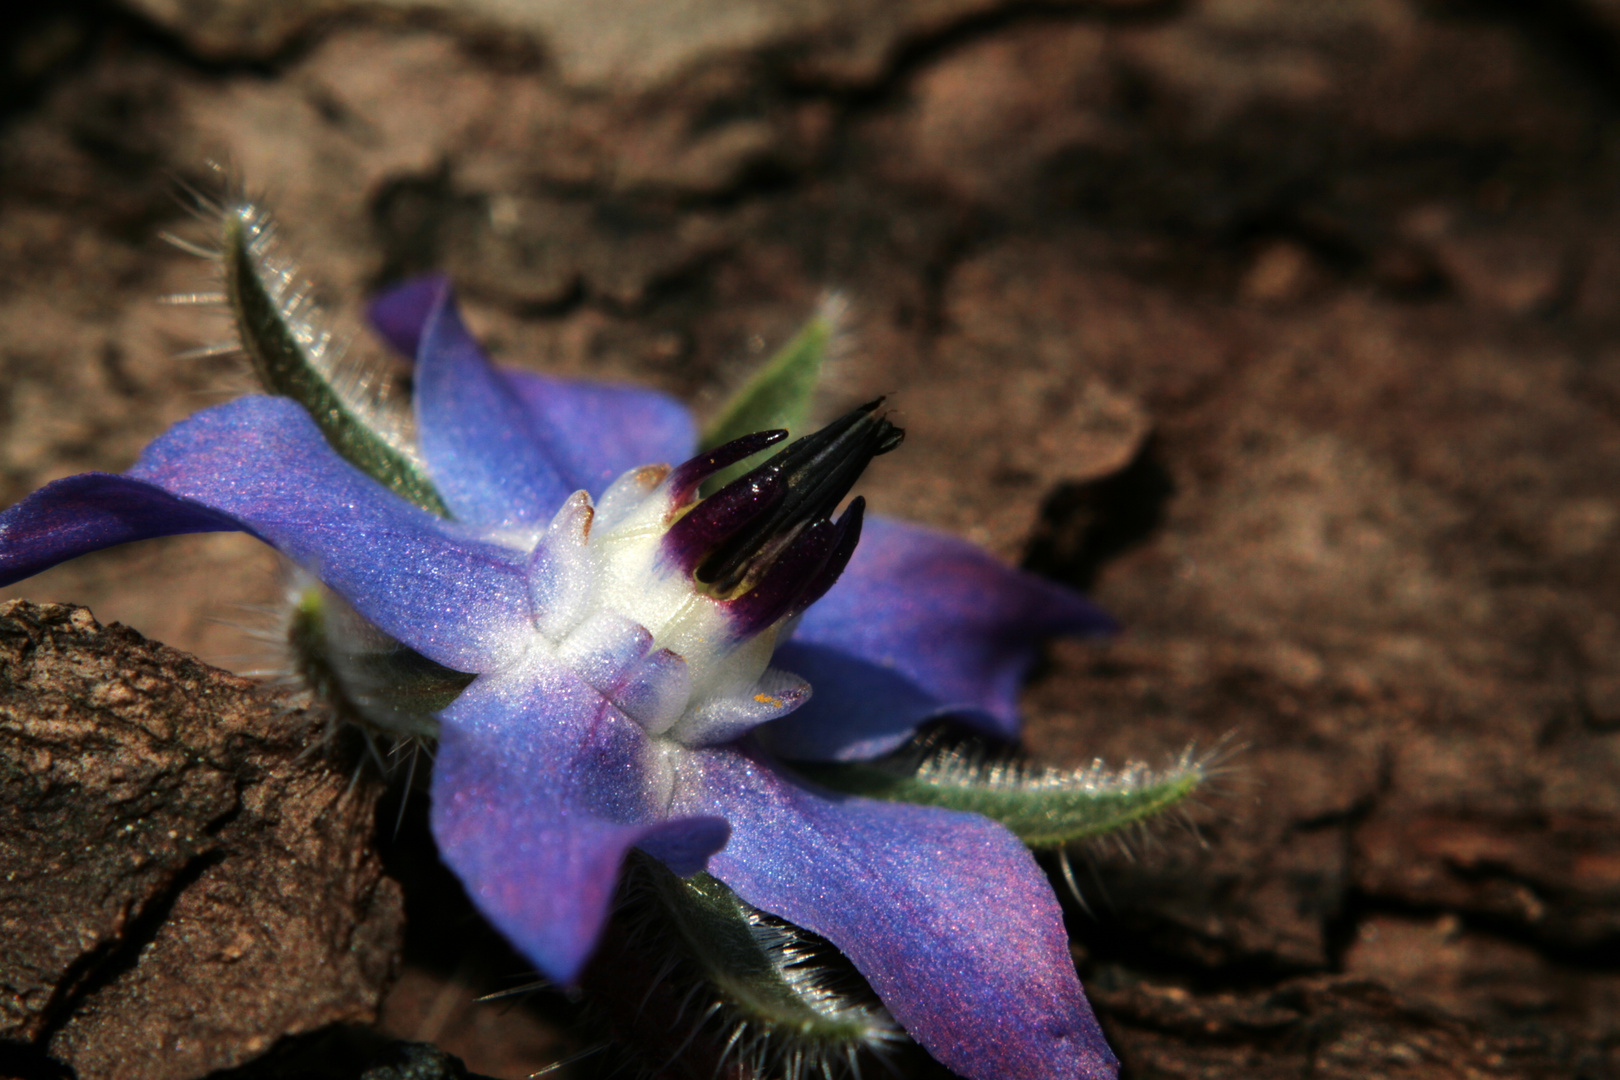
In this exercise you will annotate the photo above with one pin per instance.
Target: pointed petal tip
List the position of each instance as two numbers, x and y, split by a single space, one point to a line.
538 794
80 514
560 938
683 845
399 314
473 430
946 914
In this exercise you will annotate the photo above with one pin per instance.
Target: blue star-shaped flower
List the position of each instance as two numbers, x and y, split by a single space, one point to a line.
622 633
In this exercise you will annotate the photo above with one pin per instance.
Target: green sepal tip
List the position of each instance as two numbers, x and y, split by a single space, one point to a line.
778 395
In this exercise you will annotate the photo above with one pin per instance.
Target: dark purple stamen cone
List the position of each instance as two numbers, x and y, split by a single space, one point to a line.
770 532
815 473
849 534
802 574
691 539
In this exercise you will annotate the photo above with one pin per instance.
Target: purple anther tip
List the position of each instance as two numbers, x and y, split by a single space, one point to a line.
779 589
816 471
848 535
688 476
780 513
719 516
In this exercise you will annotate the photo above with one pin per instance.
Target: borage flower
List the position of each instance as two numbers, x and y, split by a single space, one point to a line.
620 632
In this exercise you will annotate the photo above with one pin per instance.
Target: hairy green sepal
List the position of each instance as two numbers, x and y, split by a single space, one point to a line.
762 966
1045 808
779 395
369 678
283 364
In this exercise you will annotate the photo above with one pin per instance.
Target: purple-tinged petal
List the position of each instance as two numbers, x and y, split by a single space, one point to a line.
945 913
596 431
857 710
80 514
655 692
948 617
725 719
400 313
592 431
429 583
475 433
540 787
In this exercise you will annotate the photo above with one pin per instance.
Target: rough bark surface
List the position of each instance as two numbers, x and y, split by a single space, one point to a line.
1292 330
180 884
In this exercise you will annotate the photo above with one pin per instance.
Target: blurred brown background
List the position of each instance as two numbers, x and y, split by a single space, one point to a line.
1291 328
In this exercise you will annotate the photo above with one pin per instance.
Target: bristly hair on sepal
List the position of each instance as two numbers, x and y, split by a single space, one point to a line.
356 674
373 699
1046 807
365 676
694 983
291 347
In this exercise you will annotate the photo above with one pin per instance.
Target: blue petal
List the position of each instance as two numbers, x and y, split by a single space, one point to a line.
946 914
80 514
433 585
857 710
540 787
938 613
474 430
593 431
597 431
400 313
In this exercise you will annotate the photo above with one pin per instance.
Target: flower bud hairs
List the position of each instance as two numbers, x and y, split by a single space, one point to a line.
682 661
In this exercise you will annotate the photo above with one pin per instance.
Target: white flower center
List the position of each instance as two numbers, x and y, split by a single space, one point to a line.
610 604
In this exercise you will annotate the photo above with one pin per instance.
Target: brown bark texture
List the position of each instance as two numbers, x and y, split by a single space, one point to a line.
182 884
1290 330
